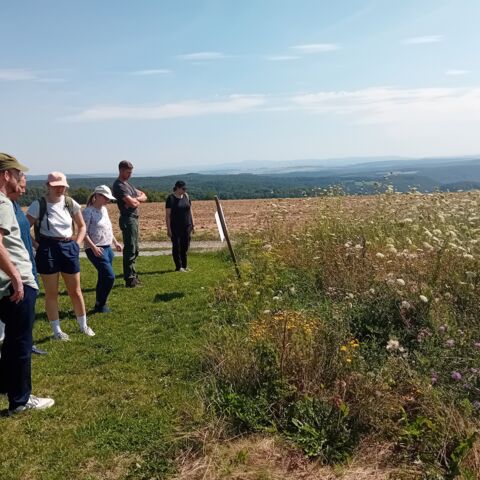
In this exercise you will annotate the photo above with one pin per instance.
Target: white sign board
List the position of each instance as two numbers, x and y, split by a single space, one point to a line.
219 226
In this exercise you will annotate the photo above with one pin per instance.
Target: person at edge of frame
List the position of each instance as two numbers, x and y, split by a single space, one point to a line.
18 294
24 225
180 226
128 199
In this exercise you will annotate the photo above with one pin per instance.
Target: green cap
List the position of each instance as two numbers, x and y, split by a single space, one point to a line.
7 161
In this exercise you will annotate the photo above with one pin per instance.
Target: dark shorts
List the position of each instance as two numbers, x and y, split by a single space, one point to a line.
55 256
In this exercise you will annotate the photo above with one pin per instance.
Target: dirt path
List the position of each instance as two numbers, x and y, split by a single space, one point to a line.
152 249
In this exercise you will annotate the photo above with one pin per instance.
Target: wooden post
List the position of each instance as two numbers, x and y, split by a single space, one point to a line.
225 232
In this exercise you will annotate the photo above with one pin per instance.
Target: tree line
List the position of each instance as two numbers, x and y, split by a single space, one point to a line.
246 186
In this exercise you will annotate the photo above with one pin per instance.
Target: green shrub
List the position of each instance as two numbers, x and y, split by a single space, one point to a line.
372 306
320 429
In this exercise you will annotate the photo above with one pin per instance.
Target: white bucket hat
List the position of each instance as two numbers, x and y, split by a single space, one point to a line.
105 191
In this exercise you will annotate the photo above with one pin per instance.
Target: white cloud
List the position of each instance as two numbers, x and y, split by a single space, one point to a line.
456 72
154 71
233 104
423 39
281 58
316 48
16 74
389 105
202 56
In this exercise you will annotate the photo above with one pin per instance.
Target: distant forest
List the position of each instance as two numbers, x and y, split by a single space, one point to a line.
245 186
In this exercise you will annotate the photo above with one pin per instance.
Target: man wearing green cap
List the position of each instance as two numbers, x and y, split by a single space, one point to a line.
18 294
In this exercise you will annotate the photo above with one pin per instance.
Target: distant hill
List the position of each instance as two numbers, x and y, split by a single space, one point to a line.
427 175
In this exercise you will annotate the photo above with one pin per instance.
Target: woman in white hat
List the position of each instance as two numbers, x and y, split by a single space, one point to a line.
54 216
98 241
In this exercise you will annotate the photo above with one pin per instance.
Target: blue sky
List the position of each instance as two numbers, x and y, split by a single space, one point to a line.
169 84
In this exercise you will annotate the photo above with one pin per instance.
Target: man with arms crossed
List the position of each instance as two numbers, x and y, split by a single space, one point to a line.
128 200
18 294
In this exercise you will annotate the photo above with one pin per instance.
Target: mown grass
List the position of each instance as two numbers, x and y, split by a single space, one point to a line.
125 398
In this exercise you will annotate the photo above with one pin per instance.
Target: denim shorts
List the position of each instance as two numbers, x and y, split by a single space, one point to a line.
54 256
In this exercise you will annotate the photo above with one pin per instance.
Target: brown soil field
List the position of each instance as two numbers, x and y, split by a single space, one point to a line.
241 216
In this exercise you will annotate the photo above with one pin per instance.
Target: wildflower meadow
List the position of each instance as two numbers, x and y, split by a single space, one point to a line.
358 326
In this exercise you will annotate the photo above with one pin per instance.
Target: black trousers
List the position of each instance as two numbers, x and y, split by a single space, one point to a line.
15 362
180 245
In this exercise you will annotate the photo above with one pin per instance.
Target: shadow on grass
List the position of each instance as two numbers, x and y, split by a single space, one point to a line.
167 297
144 274
63 315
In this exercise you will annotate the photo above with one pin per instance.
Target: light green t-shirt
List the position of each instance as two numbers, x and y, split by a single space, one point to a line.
16 249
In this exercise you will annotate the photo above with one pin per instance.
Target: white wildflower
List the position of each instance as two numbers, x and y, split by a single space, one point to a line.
427 246
423 298
401 282
380 255
393 345
405 305
468 256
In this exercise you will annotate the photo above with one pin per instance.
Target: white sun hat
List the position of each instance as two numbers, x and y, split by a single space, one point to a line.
105 191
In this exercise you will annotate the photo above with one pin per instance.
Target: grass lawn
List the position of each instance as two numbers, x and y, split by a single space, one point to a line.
126 397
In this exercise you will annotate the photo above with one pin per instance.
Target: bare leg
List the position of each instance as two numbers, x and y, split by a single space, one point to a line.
72 282
50 284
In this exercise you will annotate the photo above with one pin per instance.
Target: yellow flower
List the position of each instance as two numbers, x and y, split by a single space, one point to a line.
343 348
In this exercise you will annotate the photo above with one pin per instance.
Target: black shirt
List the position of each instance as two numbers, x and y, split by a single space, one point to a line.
181 215
120 190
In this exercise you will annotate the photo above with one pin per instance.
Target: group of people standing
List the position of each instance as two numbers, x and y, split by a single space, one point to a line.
54 253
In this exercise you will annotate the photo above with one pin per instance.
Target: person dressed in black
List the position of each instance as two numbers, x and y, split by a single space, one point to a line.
180 226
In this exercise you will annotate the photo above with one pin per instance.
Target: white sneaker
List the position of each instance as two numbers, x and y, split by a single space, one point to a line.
88 331
184 270
34 403
62 336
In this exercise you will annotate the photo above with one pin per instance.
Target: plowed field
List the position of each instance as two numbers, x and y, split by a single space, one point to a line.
241 216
